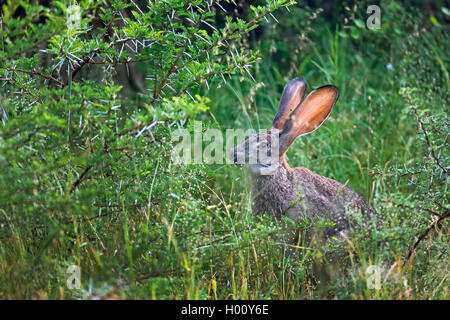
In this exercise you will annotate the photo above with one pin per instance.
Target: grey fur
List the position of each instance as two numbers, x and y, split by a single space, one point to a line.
300 193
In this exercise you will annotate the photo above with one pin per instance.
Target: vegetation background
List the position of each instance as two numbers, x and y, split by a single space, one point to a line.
87 108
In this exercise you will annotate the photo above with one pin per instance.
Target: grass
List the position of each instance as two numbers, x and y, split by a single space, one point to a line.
201 240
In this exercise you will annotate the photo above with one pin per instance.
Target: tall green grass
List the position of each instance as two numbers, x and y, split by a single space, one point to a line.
196 236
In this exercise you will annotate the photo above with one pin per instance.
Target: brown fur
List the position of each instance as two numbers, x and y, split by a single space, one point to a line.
299 192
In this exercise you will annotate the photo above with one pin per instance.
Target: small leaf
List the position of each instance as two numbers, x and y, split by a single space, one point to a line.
360 24
434 20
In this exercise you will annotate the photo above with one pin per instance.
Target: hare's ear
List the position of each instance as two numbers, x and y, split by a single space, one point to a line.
292 96
309 115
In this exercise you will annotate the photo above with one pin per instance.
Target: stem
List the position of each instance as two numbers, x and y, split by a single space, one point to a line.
427 138
422 236
80 179
36 72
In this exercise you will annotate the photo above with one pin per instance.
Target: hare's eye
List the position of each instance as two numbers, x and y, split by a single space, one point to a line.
263 144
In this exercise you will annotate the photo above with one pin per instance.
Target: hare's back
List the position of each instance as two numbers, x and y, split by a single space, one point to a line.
325 197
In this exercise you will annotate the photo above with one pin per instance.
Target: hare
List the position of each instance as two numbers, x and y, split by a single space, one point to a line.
298 192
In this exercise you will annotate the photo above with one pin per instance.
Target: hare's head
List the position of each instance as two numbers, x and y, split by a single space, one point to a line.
296 116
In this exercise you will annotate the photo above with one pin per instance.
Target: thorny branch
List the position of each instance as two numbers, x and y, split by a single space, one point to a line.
434 224
438 214
36 72
80 179
427 138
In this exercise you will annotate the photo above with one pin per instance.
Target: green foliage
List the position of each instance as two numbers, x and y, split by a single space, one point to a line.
86 119
84 165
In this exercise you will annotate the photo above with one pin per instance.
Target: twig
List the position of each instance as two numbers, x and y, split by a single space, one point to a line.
108 25
226 37
80 179
171 70
416 207
427 139
212 74
36 72
78 68
422 236
26 91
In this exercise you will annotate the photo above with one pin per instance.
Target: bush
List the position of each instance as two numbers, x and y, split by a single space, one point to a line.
85 164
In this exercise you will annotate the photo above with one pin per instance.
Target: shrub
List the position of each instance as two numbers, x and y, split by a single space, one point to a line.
85 165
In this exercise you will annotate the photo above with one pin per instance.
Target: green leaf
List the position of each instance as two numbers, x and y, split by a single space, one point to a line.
360 24
434 20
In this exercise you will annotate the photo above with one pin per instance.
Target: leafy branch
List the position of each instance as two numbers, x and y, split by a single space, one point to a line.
425 132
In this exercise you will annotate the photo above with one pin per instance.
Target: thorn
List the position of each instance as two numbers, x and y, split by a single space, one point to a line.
221 7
